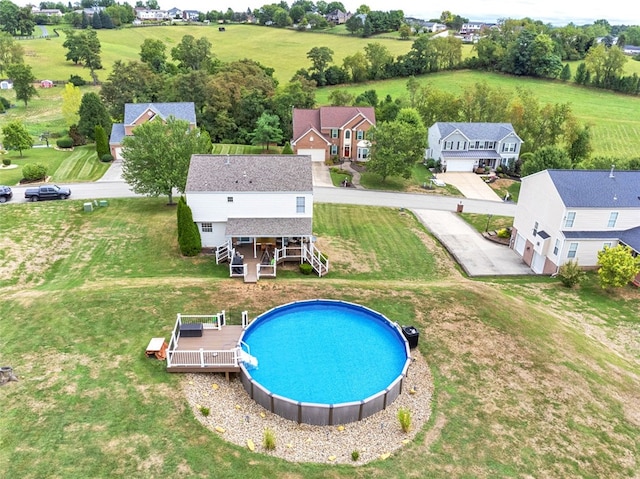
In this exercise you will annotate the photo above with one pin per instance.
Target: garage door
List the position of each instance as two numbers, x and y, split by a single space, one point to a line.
520 242
314 153
118 153
460 165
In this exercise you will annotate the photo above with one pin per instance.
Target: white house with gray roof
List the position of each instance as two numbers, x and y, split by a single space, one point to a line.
138 113
567 215
467 146
260 205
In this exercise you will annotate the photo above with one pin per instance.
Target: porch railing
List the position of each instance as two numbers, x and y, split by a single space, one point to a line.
224 252
266 270
204 358
209 321
316 259
238 270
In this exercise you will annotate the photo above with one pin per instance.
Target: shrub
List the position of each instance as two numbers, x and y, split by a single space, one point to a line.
306 268
570 274
188 234
106 158
355 455
5 103
65 142
2 109
77 137
269 439
76 80
404 417
430 163
287 150
503 233
102 142
6 161
34 171
204 410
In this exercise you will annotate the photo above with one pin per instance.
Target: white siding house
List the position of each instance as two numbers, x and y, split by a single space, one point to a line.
466 146
256 203
573 214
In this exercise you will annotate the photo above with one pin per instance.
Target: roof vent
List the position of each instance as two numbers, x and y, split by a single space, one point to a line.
611 172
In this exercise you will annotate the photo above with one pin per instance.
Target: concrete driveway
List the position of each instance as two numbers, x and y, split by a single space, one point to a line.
321 176
470 185
476 255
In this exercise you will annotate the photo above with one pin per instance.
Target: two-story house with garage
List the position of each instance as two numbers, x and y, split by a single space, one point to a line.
333 131
467 146
567 215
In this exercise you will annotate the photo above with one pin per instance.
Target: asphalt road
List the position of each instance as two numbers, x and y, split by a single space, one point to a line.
120 189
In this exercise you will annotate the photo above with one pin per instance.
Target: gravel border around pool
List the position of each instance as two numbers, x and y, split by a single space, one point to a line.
238 419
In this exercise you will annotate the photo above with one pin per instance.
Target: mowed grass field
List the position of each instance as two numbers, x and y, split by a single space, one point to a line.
283 50
614 118
530 379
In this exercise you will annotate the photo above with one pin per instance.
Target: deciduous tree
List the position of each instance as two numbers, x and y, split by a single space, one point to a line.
547 157
397 145
23 79
192 54
267 130
157 156
11 52
320 58
71 99
618 266
16 136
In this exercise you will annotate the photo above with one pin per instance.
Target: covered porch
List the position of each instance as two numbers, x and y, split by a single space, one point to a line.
256 246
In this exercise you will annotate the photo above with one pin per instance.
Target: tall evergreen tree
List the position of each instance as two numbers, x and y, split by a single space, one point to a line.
92 112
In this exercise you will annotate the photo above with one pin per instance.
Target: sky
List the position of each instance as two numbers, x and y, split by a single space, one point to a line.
556 12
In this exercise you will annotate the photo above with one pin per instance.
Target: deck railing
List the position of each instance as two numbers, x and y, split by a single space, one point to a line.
238 270
266 270
203 358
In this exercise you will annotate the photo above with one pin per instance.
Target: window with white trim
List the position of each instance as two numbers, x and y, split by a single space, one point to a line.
300 204
334 149
571 217
207 227
334 133
360 134
509 147
613 217
573 249
229 199
606 244
347 134
535 228
556 247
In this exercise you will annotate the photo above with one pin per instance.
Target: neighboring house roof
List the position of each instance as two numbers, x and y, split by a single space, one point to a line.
475 154
250 173
476 131
328 117
630 237
179 110
117 133
597 188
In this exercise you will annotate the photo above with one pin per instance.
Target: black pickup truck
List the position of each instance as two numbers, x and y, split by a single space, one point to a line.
47 192
5 194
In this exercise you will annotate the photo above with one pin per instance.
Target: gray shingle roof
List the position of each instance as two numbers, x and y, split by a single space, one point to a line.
117 134
179 110
275 227
476 131
595 188
249 173
630 237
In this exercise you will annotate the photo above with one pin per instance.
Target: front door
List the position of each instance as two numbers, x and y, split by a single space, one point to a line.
347 152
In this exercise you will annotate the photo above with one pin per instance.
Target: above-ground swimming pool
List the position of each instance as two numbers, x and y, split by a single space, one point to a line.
324 362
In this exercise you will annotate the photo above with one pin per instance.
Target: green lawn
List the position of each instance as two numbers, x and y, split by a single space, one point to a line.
81 164
520 388
47 57
484 223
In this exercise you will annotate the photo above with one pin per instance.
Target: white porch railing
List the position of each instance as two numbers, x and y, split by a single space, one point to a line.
224 252
238 270
245 321
204 358
266 270
314 257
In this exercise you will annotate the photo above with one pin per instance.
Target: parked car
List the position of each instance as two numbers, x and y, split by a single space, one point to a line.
47 192
5 194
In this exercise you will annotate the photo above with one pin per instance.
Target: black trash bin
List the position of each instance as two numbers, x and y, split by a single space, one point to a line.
412 335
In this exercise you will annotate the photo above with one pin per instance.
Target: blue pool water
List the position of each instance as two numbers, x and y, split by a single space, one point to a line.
326 352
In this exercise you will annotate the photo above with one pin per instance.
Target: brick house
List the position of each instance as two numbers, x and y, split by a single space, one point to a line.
333 131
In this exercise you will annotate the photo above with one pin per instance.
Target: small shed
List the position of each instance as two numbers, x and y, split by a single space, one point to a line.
6 85
46 84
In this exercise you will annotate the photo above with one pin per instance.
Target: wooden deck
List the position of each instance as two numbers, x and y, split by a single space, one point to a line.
225 339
